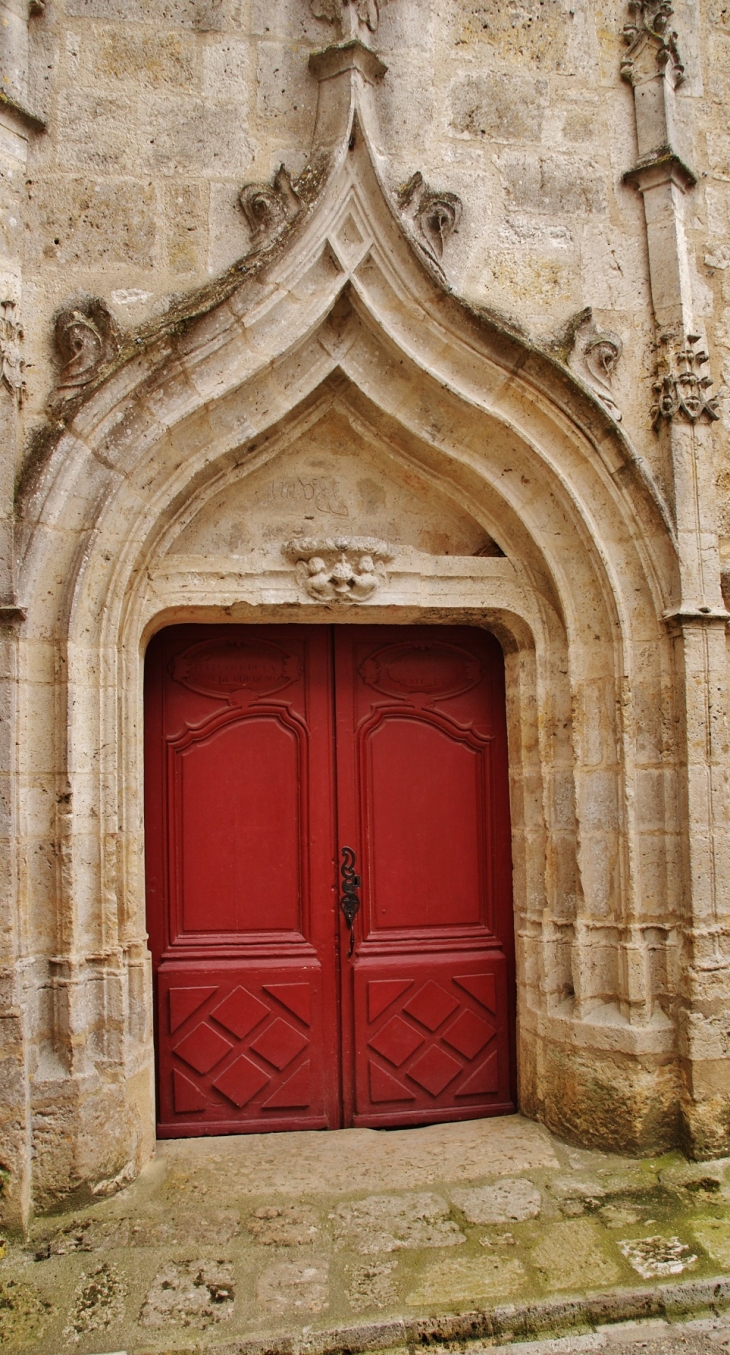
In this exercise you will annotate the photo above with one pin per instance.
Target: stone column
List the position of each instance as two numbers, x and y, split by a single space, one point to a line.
17 125
683 416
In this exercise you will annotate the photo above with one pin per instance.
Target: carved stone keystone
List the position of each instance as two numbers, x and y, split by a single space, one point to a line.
340 569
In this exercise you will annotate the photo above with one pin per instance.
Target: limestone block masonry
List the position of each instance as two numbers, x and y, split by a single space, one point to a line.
371 310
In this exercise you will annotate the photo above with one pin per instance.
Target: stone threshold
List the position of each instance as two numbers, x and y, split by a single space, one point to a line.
513 1322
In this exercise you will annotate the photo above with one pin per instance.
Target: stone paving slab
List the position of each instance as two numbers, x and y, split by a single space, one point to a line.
364 1239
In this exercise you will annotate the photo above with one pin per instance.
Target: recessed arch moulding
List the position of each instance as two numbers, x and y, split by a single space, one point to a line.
335 392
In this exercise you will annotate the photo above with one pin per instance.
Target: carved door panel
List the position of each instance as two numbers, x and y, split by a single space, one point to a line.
263 1019
423 800
241 880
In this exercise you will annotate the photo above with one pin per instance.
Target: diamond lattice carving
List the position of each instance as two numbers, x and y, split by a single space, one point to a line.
186 1095
279 1044
240 1012
241 1081
295 1093
434 1070
431 1005
484 1080
202 1048
481 986
468 1034
184 1001
384 1087
396 1041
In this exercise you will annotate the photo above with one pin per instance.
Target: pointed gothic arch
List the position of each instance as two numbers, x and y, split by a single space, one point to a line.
345 311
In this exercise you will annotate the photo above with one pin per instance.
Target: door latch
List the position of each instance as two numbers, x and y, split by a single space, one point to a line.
349 902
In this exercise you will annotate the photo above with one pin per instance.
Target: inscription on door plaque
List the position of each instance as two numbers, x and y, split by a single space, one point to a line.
236 671
432 672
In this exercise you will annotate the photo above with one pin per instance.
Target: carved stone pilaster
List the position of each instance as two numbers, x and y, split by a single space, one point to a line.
434 214
342 570
681 388
653 67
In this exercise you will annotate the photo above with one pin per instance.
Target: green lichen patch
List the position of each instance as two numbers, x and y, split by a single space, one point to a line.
23 1313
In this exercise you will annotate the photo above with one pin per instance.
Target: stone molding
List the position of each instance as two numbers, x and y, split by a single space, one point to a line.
342 57
660 167
343 570
29 121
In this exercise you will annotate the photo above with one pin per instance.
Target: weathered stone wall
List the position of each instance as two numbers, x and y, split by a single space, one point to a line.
129 128
158 113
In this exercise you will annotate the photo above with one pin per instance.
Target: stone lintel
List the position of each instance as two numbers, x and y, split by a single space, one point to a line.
352 55
19 113
662 166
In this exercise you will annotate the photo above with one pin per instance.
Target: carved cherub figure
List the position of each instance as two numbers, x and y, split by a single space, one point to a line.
338 569
319 583
367 579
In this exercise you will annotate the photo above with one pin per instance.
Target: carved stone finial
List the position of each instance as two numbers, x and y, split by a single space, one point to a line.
648 32
353 15
594 356
435 214
87 336
342 570
681 389
11 358
269 208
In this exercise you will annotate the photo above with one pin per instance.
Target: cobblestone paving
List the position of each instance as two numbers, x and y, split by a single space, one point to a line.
225 1240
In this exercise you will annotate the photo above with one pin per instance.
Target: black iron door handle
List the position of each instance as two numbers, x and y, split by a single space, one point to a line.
349 902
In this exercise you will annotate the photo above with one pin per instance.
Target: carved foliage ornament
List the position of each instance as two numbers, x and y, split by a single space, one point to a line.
594 357
87 336
649 27
436 215
11 334
366 11
681 388
342 570
270 208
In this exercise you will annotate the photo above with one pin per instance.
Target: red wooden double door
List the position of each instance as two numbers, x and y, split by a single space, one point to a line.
268 750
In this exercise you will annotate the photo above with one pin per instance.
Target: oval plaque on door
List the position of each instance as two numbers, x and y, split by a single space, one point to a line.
234 669
432 672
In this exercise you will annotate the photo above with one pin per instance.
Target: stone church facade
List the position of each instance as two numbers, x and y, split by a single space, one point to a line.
406 312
